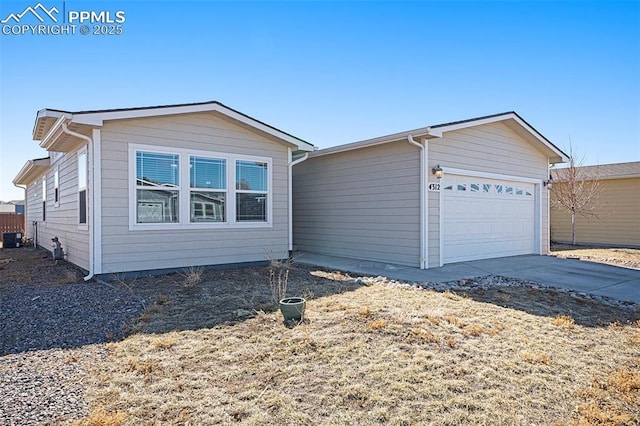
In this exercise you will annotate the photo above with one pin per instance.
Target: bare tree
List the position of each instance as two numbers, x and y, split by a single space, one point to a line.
577 190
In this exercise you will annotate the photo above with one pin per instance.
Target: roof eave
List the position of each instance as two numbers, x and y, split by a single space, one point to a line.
554 153
423 132
45 119
97 118
32 170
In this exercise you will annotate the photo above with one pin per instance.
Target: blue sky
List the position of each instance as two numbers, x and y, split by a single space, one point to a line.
336 72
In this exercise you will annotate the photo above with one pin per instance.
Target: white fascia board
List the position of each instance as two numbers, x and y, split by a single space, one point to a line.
504 117
538 136
32 170
396 137
47 113
474 123
52 134
98 118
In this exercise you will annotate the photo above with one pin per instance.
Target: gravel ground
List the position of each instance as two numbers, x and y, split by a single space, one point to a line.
66 316
47 386
52 326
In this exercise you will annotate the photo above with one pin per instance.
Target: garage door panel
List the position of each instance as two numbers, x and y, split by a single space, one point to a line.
485 218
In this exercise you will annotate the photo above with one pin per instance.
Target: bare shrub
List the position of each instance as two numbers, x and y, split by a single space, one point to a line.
192 276
279 275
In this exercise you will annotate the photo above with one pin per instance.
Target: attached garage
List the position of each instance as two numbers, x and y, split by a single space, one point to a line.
454 192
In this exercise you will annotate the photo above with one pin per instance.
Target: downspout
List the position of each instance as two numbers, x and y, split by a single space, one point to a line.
423 223
291 164
92 191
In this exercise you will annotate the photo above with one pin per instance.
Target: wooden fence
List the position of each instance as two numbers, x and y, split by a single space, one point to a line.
11 222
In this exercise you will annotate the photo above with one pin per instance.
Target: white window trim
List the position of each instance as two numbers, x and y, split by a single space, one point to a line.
184 214
82 186
44 199
56 186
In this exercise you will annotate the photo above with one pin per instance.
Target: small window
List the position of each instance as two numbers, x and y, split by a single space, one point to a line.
519 191
82 187
448 188
528 194
251 191
44 199
462 187
56 186
498 189
475 187
486 187
509 190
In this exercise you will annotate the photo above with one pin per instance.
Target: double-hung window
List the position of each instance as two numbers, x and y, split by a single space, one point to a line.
208 182
157 187
251 191
178 188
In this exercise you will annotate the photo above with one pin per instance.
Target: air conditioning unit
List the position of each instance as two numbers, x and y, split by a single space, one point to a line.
12 239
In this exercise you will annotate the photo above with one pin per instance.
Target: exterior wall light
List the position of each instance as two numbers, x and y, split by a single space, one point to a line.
437 171
548 183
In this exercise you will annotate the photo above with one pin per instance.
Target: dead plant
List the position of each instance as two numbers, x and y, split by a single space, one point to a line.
102 417
279 268
563 321
192 276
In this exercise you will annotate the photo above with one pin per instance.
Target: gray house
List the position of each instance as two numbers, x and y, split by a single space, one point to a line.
453 192
160 187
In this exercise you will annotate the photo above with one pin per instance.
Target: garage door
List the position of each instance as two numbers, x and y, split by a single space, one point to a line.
485 218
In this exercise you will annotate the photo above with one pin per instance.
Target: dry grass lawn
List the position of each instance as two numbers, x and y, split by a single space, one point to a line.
627 257
380 355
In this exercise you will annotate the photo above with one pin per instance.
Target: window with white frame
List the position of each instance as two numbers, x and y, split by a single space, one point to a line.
56 186
82 187
175 187
208 182
44 198
251 191
157 187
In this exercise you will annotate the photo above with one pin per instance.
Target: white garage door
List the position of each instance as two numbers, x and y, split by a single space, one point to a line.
485 218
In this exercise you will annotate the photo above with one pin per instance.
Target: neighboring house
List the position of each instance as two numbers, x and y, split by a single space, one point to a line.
7 207
160 187
617 207
19 206
380 200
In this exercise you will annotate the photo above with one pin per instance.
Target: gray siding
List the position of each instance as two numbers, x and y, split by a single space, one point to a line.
130 250
32 208
61 220
433 230
362 204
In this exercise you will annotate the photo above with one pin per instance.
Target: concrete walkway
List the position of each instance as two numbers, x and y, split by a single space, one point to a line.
586 277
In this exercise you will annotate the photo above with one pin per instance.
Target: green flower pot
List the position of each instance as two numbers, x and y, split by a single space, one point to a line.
292 308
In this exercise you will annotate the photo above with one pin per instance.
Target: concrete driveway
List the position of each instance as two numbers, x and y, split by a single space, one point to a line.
585 277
